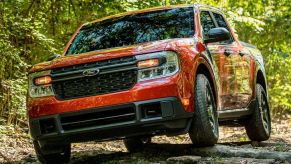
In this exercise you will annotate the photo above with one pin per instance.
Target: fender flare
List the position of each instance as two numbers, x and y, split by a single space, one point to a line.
200 65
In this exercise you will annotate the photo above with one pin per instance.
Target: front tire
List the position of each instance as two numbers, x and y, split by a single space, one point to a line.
258 127
204 128
54 158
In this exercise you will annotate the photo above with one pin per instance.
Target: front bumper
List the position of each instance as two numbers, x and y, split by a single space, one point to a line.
151 117
173 86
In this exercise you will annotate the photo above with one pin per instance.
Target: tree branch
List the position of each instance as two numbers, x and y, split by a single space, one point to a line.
28 9
73 5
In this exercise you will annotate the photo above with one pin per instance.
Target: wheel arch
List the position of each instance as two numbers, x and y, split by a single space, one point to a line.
260 79
205 70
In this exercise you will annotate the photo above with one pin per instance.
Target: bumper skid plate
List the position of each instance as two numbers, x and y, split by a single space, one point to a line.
150 117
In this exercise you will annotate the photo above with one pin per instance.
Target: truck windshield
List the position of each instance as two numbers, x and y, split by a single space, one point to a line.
134 29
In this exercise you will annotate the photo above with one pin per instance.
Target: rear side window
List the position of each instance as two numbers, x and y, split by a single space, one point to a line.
206 22
220 21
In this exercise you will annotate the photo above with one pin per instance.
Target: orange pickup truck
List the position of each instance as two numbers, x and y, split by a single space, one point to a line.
161 71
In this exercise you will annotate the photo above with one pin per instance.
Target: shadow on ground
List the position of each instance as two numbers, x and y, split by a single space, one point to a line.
151 153
159 153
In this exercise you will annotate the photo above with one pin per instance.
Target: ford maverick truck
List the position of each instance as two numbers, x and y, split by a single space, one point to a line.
160 71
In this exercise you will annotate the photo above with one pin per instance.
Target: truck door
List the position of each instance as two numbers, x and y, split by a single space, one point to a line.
232 64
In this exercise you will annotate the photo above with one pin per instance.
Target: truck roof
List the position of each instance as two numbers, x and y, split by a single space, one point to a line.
197 5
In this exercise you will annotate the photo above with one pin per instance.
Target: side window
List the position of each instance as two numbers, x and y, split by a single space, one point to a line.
220 20
206 22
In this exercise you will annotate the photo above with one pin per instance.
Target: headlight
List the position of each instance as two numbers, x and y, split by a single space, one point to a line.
40 84
157 65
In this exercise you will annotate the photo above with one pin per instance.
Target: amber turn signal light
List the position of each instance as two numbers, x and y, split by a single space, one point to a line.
148 63
43 80
185 102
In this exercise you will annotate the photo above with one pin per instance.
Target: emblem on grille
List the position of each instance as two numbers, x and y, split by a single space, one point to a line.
91 72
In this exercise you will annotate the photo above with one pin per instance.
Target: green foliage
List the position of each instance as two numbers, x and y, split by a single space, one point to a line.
33 30
279 77
12 81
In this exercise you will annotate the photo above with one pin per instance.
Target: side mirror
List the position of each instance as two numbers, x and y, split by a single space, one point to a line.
53 57
217 35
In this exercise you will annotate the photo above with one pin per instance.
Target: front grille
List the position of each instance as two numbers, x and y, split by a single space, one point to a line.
101 63
97 118
115 75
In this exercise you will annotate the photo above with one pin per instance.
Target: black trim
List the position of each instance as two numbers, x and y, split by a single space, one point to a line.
103 70
236 114
107 63
170 119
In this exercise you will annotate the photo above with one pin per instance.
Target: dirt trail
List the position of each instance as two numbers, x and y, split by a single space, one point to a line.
233 147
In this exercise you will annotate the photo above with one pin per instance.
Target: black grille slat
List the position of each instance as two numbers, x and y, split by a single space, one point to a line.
79 73
101 63
98 118
69 85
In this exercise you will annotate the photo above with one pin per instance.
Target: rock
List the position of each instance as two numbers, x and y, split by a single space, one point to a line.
239 160
228 151
255 143
246 146
184 159
30 158
222 151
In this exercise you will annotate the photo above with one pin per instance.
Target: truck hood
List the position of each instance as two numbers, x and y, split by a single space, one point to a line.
144 48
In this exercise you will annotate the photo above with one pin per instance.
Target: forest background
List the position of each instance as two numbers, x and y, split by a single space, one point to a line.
33 30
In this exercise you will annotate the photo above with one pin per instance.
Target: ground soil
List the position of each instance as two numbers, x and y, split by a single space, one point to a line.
16 147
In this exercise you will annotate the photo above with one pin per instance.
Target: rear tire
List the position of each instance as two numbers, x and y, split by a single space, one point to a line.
136 144
54 158
204 128
258 127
